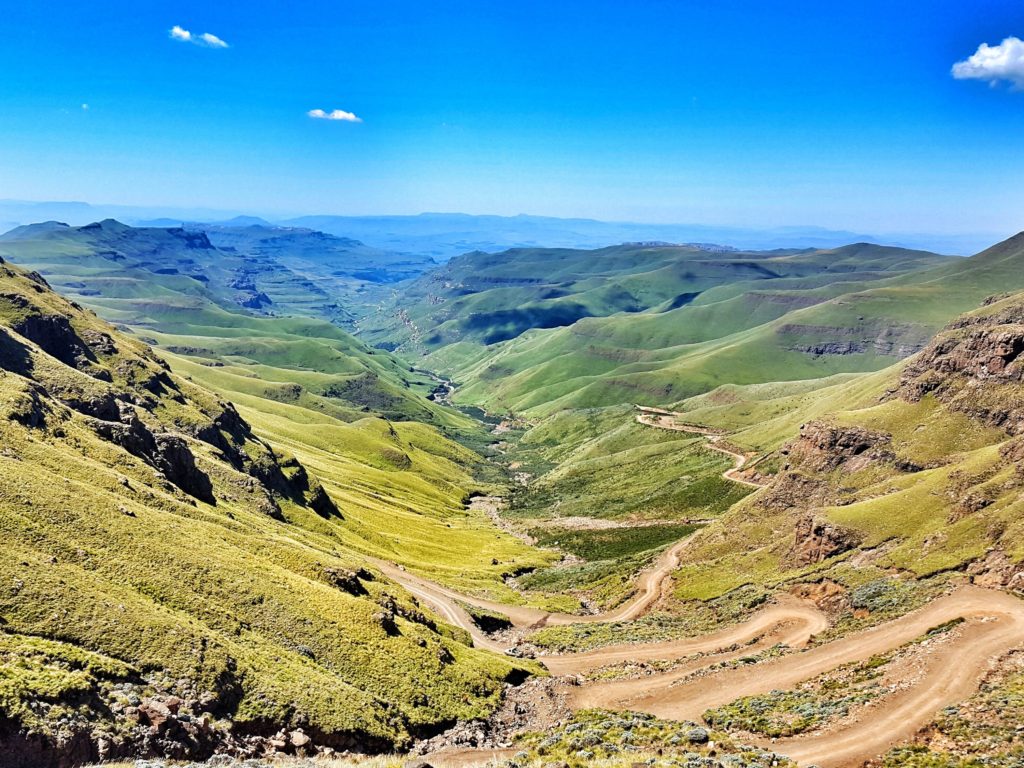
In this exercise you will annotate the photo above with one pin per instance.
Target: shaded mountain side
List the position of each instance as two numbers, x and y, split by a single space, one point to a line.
172 584
326 254
263 268
113 259
344 278
918 470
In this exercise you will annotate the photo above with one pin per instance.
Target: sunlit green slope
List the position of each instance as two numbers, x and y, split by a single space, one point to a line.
155 544
918 468
483 298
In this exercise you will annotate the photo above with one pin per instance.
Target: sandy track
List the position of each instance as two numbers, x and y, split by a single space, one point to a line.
995 624
444 600
648 585
789 621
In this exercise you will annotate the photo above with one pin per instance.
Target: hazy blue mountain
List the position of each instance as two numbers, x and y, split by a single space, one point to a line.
443 235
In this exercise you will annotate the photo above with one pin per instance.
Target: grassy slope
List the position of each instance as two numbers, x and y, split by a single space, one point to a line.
314 388
600 464
487 298
103 554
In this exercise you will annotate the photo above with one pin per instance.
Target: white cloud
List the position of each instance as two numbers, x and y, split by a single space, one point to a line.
205 40
994 63
334 114
85 107
212 40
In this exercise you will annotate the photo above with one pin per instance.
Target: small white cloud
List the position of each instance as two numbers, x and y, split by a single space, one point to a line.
85 107
995 64
212 40
334 114
205 40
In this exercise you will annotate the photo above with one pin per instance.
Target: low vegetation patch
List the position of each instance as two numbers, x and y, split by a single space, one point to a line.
787 713
690 619
613 739
821 700
612 543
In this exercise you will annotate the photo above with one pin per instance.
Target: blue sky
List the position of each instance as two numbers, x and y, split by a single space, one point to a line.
843 115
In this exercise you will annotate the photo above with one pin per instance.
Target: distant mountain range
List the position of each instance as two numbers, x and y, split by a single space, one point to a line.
443 235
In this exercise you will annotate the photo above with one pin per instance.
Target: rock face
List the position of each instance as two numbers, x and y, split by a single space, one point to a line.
817 539
998 570
975 366
825 447
167 453
791 490
898 340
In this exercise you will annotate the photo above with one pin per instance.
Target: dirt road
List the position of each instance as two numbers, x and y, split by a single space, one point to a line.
994 624
648 590
662 419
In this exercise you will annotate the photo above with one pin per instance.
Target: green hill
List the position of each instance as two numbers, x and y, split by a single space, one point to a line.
736 334
176 288
266 270
165 565
916 468
483 298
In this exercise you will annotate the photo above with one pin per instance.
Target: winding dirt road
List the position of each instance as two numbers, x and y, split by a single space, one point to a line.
648 590
993 625
662 419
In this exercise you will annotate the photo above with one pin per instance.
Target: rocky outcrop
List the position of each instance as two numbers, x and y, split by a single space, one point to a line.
793 490
256 300
817 539
167 453
975 366
896 340
996 569
823 447
348 580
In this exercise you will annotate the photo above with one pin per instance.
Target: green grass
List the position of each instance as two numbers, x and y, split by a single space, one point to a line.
725 338
482 298
614 543
602 464
109 560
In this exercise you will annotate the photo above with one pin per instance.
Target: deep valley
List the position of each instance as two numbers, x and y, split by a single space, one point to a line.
270 492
